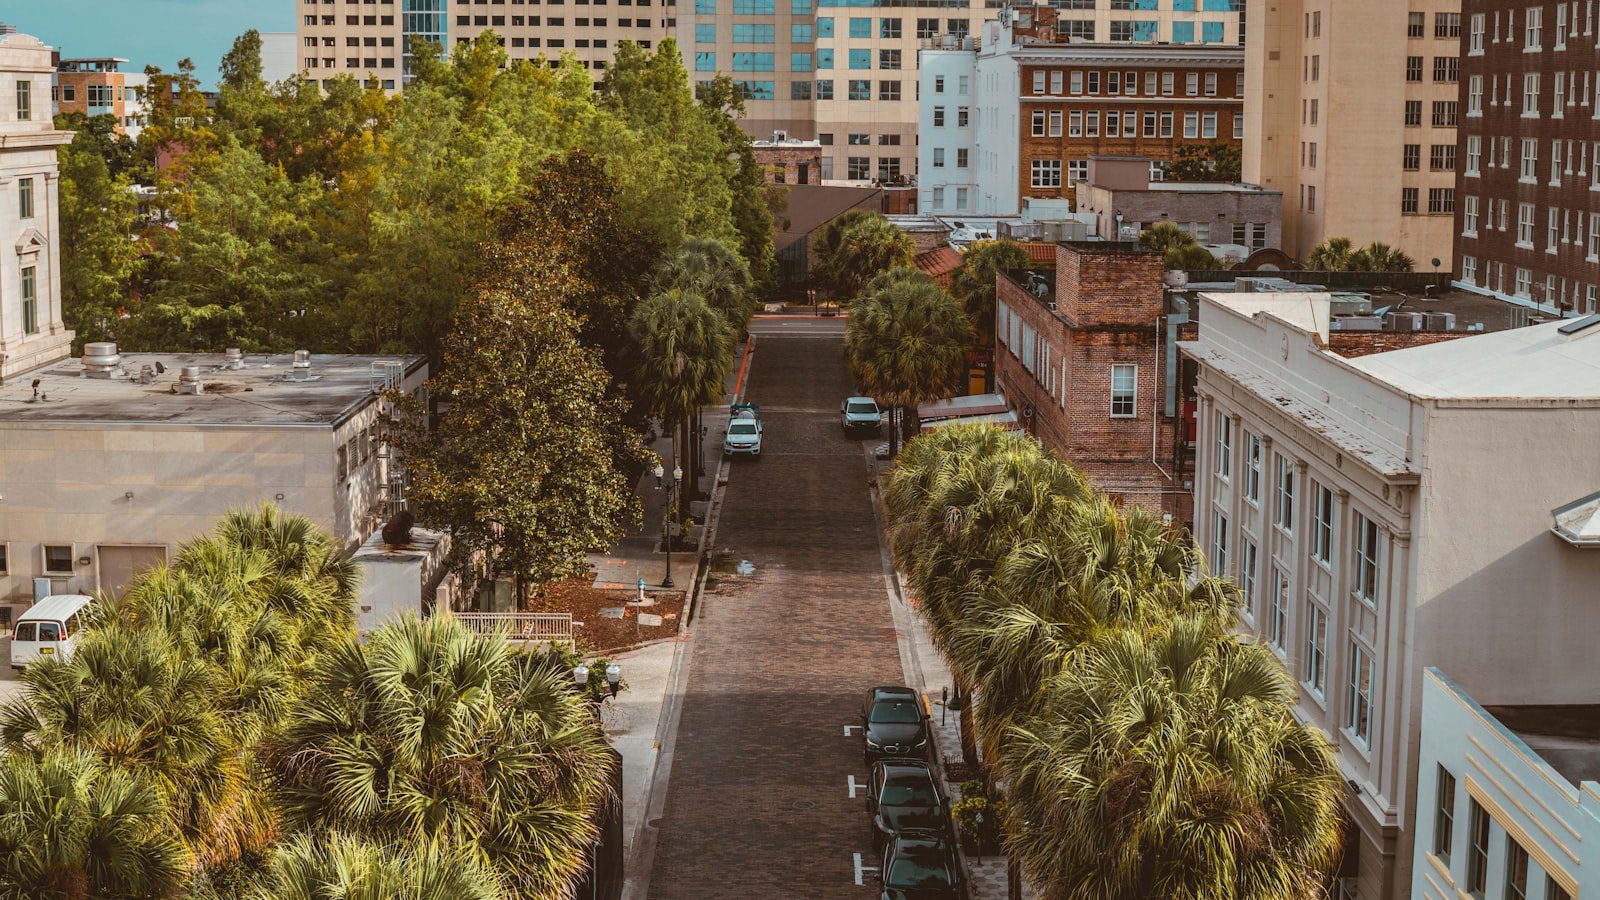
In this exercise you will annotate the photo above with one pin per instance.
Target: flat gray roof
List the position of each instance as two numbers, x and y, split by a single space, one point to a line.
1565 736
258 395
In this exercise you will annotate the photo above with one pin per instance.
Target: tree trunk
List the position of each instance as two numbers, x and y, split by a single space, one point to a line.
1013 876
894 431
969 741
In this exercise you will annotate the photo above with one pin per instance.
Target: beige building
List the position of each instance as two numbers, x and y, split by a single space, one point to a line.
1350 111
847 75
31 329
368 40
1389 512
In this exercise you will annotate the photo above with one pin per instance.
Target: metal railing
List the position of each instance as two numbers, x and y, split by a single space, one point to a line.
555 628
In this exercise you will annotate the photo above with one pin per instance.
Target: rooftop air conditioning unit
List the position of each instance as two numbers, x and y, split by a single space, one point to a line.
1403 321
1440 321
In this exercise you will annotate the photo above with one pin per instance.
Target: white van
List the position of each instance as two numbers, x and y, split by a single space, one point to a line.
49 628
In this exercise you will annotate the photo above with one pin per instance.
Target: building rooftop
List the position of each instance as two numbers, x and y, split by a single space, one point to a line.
1567 737
1555 360
260 394
91 64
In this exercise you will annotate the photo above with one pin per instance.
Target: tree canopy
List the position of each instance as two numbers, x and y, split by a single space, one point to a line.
856 246
1339 254
1179 249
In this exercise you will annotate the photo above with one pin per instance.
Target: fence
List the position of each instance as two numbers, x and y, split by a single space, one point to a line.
555 628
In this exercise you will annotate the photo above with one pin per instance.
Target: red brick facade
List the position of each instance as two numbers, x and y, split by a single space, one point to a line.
1058 364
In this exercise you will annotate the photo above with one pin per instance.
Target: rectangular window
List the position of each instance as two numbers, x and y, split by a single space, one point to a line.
1191 125
1284 509
58 559
1358 717
1444 815
1414 68
1224 465
1248 560
1415 24
1219 544
860 59
1322 530
1278 622
1446 69
860 28
1444 113
30 300
1516 870
1369 565
1553 890
1413 114
1046 173
1124 378
1316 647
889 28
938 117
1478 848
1442 201
1252 462
24 100
1038 123
1411 157
25 197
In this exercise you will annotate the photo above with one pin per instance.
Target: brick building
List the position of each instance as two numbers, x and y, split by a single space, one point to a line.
1089 362
99 87
786 160
1118 192
1042 103
1528 222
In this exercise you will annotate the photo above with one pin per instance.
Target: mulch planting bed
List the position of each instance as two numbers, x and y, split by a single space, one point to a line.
599 633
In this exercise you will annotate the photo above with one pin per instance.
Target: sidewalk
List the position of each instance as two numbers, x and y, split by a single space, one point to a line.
927 673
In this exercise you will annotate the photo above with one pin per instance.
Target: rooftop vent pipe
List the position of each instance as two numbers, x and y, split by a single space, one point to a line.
100 359
235 358
301 370
189 381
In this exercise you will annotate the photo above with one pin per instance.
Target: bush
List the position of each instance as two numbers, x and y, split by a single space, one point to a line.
977 819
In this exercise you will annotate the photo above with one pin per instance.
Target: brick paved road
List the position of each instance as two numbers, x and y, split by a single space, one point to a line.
757 804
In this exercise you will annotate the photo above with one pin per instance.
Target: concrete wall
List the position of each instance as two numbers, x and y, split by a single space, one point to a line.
1218 210
1555 821
939 187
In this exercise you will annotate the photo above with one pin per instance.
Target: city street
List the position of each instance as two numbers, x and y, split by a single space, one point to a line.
758 800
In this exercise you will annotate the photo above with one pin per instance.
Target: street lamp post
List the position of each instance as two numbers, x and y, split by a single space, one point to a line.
671 509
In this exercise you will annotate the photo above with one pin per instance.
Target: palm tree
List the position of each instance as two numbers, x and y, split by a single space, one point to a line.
1332 255
1169 765
337 867
685 353
1179 248
825 247
974 283
906 344
1380 257
716 272
860 249
73 827
431 733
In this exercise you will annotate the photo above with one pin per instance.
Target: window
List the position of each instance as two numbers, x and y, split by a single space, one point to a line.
860 28
1413 68
1415 24
858 168
1444 113
1038 123
1224 466
1077 170
1284 510
1191 125
1516 870
938 157
889 28
1046 173
1278 623
860 89
860 59
753 34
1447 25
1316 647
1474 154
1534 33
1530 95
24 100
1055 123
962 115
58 559
1446 69
1124 379
1475 95
1038 81
1219 544
1252 465
1413 113
1525 225
1444 815
888 90
1553 890
1411 157
1369 567
25 197
1358 715
1478 848
1475 44
1322 526
1247 575
1441 201
30 300
888 59
825 92
4 567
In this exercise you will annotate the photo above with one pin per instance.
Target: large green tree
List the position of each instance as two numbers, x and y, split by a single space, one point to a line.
1179 249
431 734
685 352
974 283
716 273
906 344
1218 161
858 248
99 254
522 466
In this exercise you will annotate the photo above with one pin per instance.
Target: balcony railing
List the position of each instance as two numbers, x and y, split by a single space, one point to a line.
539 627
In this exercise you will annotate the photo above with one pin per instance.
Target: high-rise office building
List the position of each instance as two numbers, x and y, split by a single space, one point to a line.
1350 111
1528 211
845 72
368 40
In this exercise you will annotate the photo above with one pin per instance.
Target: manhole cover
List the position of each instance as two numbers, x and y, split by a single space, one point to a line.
804 805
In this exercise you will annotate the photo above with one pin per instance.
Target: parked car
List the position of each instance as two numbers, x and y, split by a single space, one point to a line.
860 414
48 628
905 796
921 865
744 430
894 723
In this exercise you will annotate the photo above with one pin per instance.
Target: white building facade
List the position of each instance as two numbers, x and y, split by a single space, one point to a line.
32 332
1394 511
1504 812
947 181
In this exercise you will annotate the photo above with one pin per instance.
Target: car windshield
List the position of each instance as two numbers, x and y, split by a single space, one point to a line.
743 428
908 789
895 712
859 407
919 866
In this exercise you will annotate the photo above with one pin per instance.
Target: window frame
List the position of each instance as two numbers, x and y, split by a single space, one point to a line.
44 559
1444 814
1130 391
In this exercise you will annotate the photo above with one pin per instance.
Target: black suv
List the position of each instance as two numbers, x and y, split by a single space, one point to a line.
894 724
921 865
905 797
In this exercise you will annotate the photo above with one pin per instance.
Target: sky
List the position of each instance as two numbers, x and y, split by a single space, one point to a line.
148 32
